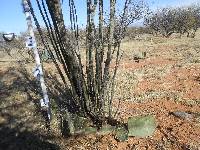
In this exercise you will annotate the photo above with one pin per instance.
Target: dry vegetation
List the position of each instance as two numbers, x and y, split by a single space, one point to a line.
166 80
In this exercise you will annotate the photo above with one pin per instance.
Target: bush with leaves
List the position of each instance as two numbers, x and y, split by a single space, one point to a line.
181 20
163 21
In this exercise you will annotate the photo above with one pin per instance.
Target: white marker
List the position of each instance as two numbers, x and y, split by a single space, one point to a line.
31 44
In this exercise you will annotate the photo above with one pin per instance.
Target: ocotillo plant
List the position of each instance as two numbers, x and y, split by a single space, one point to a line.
91 86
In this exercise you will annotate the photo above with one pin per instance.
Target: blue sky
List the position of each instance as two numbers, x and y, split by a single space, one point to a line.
12 18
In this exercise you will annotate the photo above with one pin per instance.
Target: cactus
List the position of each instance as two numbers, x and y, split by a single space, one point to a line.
141 126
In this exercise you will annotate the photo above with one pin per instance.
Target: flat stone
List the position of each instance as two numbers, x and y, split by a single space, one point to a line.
183 115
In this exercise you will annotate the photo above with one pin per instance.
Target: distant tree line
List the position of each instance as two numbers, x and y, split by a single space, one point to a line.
182 20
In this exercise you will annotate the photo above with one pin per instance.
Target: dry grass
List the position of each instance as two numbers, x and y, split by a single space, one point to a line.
163 56
167 79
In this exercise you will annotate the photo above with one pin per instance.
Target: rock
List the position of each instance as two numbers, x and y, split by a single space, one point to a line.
141 126
183 115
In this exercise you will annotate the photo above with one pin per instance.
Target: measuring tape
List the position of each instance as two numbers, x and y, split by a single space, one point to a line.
38 73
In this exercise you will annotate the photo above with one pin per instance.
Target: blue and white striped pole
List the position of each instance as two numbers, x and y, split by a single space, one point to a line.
32 45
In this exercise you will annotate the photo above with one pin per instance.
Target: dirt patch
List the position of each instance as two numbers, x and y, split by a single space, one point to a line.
131 64
181 80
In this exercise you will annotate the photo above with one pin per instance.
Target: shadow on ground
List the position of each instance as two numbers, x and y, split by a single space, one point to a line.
13 139
21 123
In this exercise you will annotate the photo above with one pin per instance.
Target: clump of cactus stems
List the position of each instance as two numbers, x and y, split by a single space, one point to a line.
90 86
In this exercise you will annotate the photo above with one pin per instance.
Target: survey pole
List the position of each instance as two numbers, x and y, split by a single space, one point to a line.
38 72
